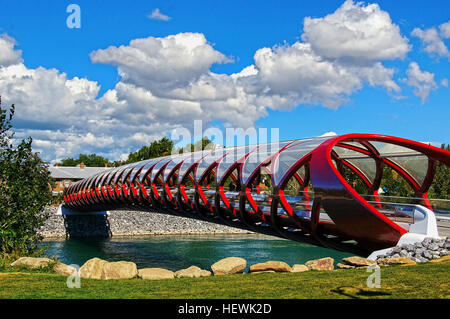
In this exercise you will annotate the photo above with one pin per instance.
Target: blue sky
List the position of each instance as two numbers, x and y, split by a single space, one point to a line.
237 30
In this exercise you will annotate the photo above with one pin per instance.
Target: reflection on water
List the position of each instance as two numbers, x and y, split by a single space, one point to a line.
176 252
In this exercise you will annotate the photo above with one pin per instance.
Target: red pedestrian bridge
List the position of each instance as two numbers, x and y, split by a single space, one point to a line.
327 191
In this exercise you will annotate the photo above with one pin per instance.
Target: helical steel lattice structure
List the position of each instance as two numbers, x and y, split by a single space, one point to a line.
293 189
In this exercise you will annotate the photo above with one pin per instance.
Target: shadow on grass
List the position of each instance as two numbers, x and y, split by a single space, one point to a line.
358 293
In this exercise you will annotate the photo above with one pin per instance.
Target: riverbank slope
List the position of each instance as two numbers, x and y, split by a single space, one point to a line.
129 223
422 281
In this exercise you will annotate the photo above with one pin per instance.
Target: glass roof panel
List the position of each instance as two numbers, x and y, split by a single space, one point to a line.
148 166
158 166
209 159
236 154
413 162
177 159
119 172
343 151
293 153
137 168
105 176
366 164
259 156
110 177
416 165
189 161
131 167
89 181
97 177
101 178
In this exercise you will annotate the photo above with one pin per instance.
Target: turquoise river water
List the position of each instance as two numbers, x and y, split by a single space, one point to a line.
181 251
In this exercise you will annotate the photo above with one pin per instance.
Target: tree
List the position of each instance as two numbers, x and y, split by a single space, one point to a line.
440 188
204 144
91 160
157 148
24 188
393 184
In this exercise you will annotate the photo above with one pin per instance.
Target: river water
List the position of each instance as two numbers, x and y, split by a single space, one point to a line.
178 251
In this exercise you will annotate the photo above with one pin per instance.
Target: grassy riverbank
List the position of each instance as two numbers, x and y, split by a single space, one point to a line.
420 281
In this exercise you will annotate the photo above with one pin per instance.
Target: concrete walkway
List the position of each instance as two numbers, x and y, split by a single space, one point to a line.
444 227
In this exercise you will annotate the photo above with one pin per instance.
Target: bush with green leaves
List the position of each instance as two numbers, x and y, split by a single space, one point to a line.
24 189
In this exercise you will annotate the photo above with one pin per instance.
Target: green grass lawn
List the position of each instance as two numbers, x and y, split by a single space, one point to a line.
421 281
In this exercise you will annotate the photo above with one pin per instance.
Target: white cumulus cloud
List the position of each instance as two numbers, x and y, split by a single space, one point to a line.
432 41
8 55
445 30
422 81
47 95
162 63
356 31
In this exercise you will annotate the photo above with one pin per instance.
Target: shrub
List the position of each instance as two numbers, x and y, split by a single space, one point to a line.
24 189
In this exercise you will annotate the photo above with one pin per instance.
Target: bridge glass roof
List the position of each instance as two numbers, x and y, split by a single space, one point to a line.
361 153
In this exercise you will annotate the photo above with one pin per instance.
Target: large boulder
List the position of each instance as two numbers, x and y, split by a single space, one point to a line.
326 263
119 270
359 261
299 268
228 266
395 261
31 262
93 268
277 266
155 273
192 272
64 269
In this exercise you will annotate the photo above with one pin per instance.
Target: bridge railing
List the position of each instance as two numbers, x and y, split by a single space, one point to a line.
439 206
404 211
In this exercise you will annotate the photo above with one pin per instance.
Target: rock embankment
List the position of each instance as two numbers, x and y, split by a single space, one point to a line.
421 252
129 223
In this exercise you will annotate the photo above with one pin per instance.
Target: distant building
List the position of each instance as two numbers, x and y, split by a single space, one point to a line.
65 176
